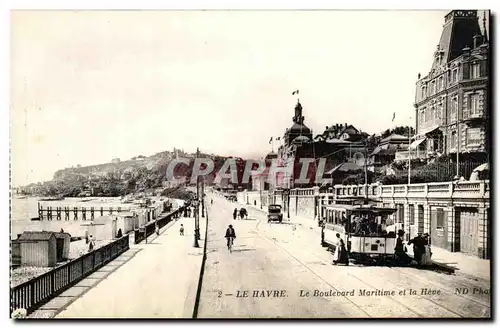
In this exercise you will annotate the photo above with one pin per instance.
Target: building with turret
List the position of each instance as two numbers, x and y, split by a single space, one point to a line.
451 101
336 145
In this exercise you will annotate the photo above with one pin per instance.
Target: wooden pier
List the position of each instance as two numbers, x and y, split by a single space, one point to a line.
76 213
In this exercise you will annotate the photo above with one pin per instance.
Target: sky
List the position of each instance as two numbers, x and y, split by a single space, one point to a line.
90 86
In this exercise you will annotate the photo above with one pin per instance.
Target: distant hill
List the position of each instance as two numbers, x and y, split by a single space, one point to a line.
155 163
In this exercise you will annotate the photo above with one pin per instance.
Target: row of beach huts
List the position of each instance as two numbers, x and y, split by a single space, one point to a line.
48 248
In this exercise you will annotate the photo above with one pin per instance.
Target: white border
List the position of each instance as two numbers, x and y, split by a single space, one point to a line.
6 6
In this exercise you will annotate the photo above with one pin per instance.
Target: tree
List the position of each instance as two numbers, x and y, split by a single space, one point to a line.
402 130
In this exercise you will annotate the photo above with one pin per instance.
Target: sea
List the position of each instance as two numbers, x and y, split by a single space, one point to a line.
24 209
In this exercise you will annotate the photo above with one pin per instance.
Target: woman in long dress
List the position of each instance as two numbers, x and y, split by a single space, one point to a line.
426 256
340 254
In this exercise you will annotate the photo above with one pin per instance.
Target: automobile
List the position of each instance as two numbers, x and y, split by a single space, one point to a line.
274 213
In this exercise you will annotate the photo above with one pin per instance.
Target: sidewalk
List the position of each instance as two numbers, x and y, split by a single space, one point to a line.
154 280
462 263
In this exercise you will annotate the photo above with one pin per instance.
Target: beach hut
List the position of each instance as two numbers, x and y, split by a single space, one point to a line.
63 245
102 228
43 248
126 221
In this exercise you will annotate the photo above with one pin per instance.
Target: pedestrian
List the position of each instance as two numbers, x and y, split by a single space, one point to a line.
418 247
157 229
91 243
181 230
235 214
426 256
119 234
400 250
340 254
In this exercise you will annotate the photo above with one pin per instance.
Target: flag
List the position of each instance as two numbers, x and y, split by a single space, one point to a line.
393 116
270 140
295 92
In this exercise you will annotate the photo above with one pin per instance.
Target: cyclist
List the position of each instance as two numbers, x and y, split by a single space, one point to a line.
230 236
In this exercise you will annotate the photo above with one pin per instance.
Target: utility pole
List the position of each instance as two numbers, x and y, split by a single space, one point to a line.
366 171
458 144
409 157
197 212
260 190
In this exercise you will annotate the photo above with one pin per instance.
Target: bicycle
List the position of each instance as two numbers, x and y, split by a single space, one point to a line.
230 242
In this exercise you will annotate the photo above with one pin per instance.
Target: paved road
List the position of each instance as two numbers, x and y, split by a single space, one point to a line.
287 263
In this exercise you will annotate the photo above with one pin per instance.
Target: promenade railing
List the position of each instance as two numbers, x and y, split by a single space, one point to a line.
149 229
37 291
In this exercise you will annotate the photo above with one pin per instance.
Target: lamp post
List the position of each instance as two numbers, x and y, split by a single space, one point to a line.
288 203
202 197
196 205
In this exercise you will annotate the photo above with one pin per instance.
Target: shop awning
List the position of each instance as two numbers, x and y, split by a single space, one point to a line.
429 130
346 167
416 143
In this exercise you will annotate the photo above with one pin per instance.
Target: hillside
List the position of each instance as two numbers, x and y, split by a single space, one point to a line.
154 163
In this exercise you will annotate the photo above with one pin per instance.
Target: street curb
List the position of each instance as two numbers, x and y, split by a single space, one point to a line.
202 271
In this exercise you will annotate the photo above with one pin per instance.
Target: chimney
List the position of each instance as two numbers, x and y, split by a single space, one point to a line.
478 40
345 125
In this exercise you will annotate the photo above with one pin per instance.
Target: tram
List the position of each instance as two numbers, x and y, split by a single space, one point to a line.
368 230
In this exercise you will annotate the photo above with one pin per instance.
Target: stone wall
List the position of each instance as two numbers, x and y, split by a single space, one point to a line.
253 198
303 206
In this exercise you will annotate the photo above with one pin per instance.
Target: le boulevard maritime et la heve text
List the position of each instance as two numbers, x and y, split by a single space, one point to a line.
369 292
335 293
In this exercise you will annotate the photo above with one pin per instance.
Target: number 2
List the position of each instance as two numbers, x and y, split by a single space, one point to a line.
219 294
